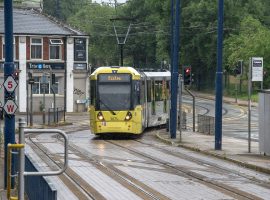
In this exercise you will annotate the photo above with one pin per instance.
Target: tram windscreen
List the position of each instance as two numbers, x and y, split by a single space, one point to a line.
114 92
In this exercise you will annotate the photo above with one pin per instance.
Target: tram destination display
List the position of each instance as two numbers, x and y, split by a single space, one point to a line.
107 78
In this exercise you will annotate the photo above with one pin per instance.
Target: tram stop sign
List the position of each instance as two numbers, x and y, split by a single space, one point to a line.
10 107
10 84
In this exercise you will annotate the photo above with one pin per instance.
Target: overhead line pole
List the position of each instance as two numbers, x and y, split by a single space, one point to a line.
219 73
171 65
174 70
9 130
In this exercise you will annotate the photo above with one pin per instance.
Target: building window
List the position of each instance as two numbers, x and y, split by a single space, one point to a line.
79 49
4 48
36 48
55 49
39 87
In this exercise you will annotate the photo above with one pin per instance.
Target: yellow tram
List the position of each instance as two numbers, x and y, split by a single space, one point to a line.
126 100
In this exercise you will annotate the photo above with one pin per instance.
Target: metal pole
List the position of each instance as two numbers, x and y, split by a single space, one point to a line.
249 106
65 78
121 54
236 90
27 102
172 49
174 74
180 107
193 107
54 107
43 109
31 105
9 132
22 159
218 106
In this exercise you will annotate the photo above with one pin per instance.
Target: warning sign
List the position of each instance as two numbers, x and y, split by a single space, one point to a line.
10 107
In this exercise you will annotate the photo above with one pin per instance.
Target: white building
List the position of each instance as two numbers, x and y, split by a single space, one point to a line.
41 44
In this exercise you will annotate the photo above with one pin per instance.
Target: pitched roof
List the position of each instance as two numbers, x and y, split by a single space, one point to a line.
32 22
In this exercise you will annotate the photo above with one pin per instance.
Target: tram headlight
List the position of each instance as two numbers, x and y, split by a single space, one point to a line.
100 116
128 116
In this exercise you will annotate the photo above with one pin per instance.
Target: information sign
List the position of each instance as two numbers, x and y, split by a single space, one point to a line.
257 68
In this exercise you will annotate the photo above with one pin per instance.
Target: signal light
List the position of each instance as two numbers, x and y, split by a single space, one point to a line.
238 70
187 76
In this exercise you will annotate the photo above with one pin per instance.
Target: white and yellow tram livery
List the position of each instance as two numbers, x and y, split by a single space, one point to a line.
126 100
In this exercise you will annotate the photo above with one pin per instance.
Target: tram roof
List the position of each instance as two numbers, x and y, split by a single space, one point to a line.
163 74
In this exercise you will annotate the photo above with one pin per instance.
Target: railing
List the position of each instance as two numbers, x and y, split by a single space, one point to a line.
21 167
55 115
9 175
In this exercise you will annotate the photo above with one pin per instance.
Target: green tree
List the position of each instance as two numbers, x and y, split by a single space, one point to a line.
252 41
94 19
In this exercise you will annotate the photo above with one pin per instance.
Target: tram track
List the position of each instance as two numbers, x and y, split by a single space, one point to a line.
130 183
138 187
68 177
229 190
203 162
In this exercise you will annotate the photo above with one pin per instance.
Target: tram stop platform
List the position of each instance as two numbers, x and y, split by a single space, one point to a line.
234 150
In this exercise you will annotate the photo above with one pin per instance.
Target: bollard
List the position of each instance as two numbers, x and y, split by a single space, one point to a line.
22 159
9 158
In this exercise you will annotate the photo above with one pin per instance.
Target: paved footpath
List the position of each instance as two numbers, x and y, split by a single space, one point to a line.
235 150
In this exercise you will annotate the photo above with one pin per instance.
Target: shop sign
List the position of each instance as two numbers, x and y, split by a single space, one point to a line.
45 66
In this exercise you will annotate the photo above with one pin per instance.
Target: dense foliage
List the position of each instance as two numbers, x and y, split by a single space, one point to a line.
246 33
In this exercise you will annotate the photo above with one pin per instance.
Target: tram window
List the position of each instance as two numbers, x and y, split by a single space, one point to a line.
92 92
168 89
136 93
164 96
149 99
142 90
158 90
153 110
114 96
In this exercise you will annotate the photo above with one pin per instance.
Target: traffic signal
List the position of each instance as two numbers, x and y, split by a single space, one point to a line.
53 79
187 76
30 78
238 70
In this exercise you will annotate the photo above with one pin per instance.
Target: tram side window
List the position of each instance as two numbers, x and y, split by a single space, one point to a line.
153 102
136 93
149 99
158 90
164 95
93 92
142 95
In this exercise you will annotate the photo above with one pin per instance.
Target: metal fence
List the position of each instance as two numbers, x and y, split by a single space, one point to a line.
37 187
55 117
206 124
184 120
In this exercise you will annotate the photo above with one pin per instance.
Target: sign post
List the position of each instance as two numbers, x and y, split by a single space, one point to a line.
255 74
9 131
